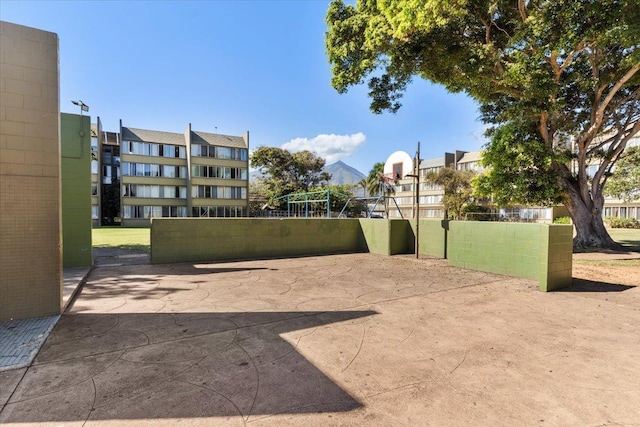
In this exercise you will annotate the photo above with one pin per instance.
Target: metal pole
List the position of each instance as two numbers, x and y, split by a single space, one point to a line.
417 173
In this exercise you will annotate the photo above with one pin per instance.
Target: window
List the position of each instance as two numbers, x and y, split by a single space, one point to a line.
153 211
223 172
397 171
106 174
168 171
198 150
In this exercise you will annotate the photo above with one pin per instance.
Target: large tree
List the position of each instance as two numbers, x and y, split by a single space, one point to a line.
457 189
285 172
558 81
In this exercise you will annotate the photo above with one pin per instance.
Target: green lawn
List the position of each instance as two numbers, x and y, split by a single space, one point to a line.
137 239
629 237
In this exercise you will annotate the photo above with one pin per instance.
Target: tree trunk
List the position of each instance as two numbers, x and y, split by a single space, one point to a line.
591 233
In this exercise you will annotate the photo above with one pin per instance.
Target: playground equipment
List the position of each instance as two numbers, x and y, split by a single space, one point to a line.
310 203
371 203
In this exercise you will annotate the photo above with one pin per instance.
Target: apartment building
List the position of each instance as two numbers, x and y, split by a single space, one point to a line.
399 164
141 174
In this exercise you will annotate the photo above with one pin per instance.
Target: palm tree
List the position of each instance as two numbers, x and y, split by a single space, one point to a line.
378 185
375 183
363 184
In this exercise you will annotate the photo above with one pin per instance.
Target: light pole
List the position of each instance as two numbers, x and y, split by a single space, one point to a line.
416 179
83 107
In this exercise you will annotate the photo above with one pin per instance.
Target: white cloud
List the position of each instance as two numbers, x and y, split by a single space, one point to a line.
330 147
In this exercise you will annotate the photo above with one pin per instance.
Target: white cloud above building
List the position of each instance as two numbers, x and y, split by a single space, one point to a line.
330 147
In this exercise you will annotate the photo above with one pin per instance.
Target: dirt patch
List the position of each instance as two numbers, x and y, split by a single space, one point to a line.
616 268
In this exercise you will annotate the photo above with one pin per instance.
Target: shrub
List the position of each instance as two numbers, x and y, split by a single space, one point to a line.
475 212
615 222
562 220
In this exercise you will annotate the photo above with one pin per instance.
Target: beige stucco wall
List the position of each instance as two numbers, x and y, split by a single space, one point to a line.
30 249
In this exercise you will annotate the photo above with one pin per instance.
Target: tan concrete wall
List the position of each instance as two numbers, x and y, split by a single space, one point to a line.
30 208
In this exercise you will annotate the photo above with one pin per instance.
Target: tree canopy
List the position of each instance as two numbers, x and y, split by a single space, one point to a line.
558 81
457 189
285 172
624 183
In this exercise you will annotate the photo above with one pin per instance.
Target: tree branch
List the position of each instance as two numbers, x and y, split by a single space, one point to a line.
522 8
599 114
544 131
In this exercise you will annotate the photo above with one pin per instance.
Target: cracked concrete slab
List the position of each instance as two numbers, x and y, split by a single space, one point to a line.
344 340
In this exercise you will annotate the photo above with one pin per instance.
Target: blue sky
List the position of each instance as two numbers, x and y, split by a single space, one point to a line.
232 66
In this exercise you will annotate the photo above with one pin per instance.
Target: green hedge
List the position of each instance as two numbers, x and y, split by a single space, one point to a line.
562 220
615 222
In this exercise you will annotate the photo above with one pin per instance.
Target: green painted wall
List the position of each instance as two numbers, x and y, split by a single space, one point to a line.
210 239
387 237
400 237
432 237
541 252
76 190
556 264
376 235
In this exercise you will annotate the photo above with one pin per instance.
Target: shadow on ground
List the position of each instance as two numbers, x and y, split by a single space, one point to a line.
188 365
585 285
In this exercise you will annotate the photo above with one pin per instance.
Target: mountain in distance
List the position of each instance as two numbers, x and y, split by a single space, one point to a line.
342 173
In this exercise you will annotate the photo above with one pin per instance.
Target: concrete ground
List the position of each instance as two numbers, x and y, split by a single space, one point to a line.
350 340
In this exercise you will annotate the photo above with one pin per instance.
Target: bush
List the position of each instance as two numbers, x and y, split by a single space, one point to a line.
615 222
562 220
475 212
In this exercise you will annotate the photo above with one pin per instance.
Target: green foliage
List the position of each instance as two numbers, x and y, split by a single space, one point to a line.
457 189
364 185
476 212
558 81
562 220
518 168
615 222
375 184
285 172
624 184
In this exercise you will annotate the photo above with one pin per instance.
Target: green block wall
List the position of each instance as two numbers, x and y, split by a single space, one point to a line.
432 236
541 252
211 239
387 237
556 265
76 190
